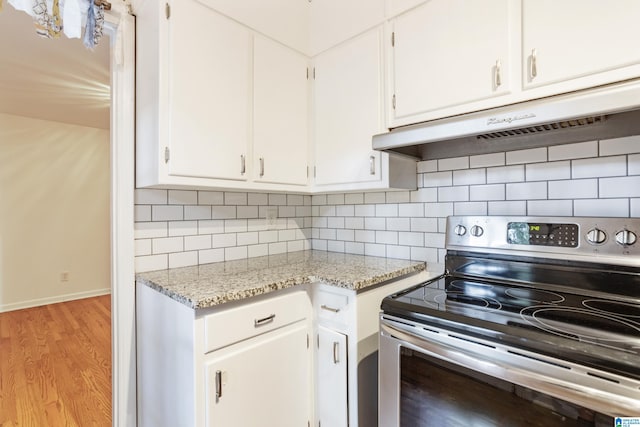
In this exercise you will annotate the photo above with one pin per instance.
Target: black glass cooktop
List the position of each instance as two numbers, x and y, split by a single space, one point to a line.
601 332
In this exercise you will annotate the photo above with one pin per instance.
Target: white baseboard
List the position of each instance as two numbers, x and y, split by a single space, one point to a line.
53 300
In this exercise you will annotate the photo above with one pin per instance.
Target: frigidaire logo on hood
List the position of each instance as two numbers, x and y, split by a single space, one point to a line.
509 119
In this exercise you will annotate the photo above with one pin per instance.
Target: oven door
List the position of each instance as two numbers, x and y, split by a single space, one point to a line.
432 377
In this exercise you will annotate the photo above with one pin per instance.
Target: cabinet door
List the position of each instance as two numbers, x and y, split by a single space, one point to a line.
347 101
334 21
280 130
261 382
448 53
331 398
209 62
569 39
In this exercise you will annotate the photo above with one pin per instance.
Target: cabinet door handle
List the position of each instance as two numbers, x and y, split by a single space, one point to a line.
243 165
331 309
372 165
336 352
498 78
534 65
261 167
218 384
264 320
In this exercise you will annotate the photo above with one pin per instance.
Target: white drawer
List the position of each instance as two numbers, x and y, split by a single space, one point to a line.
331 306
248 320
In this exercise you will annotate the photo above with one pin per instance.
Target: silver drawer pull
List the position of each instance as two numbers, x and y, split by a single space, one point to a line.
331 309
372 165
218 384
498 79
534 64
336 353
264 320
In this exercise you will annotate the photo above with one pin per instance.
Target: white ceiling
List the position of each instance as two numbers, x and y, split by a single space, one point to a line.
52 79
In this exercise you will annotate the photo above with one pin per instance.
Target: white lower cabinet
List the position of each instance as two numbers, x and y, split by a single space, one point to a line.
331 368
262 382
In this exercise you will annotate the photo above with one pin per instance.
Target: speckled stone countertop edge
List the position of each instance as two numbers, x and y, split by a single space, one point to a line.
184 293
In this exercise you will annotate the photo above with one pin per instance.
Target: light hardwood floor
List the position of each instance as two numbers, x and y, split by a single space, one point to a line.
55 365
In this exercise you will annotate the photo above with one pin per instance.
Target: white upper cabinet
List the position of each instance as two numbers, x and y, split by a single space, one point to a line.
286 21
334 21
448 53
280 118
579 43
209 99
396 7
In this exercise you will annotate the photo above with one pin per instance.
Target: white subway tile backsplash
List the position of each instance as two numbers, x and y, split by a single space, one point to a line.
319 245
167 213
277 199
427 166
601 207
550 207
197 212
434 240
626 145
373 198
600 167
149 230
142 247
411 238
469 177
374 223
398 197
470 208
387 237
579 150
211 227
295 200
183 259
295 245
399 252
453 194
487 192
257 250
335 199
151 263
224 240
356 248
365 236
527 191
319 199
335 222
328 233
166 245
237 252
374 249
364 210
345 235
320 221
411 209
356 223
286 211
257 199
438 179
210 198
235 225
429 255
387 210
354 198
442 225
532 155
399 224
248 238
424 224
634 164
548 171
247 212
210 255
635 208
505 174
143 196
269 236
183 197
453 163
508 208
183 228
487 160
335 246
438 209
327 210
345 210
302 211
573 189
223 212
142 213
628 186
425 195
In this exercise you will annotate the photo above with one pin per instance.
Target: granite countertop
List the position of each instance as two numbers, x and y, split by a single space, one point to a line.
212 284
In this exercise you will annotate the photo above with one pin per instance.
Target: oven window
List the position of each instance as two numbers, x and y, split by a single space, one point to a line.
437 393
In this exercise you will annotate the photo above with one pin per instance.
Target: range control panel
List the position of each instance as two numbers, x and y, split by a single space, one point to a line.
553 237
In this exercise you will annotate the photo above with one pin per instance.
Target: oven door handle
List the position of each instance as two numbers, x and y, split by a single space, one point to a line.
549 379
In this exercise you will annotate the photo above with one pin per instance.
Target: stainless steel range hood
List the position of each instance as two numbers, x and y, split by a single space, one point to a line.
604 112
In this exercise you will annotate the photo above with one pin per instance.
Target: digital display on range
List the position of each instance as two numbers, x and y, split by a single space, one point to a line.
527 233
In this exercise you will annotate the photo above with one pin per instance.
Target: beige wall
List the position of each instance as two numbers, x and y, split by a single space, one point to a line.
54 212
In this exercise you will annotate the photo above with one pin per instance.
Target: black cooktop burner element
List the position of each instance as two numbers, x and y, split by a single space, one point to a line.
535 295
613 307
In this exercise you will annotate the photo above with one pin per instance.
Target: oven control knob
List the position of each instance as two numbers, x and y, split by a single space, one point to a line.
626 237
460 230
477 231
595 236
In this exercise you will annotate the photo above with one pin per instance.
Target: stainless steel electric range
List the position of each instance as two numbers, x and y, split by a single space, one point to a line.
540 316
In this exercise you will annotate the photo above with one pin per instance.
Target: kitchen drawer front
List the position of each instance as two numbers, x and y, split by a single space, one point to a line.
248 320
332 307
